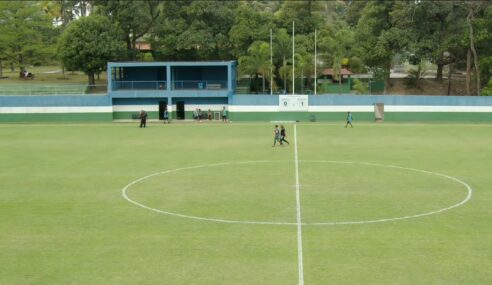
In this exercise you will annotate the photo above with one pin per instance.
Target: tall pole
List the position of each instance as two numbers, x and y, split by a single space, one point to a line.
315 63
293 62
271 61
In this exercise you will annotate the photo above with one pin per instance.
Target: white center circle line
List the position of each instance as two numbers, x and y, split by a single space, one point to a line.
125 190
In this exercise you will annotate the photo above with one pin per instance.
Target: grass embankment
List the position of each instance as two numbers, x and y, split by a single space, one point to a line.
49 80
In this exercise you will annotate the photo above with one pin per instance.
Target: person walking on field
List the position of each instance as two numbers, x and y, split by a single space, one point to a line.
283 135
349 120
276 136
143 119
195 114
224 115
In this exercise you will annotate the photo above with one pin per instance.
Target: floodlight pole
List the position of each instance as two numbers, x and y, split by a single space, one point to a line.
271 61
293 60
315 63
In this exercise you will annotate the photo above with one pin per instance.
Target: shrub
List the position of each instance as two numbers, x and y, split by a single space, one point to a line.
487 90
360 87
148 57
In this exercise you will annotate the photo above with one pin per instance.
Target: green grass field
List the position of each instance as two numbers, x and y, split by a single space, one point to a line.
64 220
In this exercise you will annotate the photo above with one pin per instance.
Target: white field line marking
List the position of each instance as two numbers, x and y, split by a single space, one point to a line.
124 192
468 196
298 206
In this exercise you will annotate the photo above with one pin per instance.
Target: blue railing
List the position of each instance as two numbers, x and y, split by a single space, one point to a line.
139 85
199 84
175 85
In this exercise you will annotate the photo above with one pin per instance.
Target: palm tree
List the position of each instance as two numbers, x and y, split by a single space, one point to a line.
257 62
282 51
336 45
305 64
337 69
285 74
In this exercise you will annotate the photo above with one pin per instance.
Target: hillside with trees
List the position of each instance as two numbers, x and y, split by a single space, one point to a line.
452 40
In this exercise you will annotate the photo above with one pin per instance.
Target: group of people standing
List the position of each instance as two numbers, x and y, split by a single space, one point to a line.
197 115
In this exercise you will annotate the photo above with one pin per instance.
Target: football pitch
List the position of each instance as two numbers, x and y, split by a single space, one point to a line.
213 203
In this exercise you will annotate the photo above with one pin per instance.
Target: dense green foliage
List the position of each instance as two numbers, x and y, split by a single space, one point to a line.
487 91
25 33
64 220
360 35
360 87
89 43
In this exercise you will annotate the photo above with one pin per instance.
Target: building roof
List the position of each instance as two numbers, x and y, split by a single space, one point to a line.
171 63
343 71
143 46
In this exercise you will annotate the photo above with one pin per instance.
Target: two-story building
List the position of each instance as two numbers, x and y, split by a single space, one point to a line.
179 87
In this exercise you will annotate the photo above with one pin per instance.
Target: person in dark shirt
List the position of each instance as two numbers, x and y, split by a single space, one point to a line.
165 116
143 119
283 135
200 115
224 114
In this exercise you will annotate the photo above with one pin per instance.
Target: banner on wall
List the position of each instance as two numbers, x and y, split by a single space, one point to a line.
293 103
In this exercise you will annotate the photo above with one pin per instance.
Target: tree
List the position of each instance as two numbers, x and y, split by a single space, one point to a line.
336 44
378 38
483 26
23 29
434 28
473 8
360 87
282 49
250 25
194 30
304 64
307 16
285 73
257 62
61 11
89 43
135 18
487 90
2 48
354 12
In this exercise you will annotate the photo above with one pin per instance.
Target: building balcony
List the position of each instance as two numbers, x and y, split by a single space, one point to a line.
118 85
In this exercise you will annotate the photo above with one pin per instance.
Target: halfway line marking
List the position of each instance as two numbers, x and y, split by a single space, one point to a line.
298 206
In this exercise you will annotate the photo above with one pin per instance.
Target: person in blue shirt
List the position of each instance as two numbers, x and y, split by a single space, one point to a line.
224 115
349 120
276 136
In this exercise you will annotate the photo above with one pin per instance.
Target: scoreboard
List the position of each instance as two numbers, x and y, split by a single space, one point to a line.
293 103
